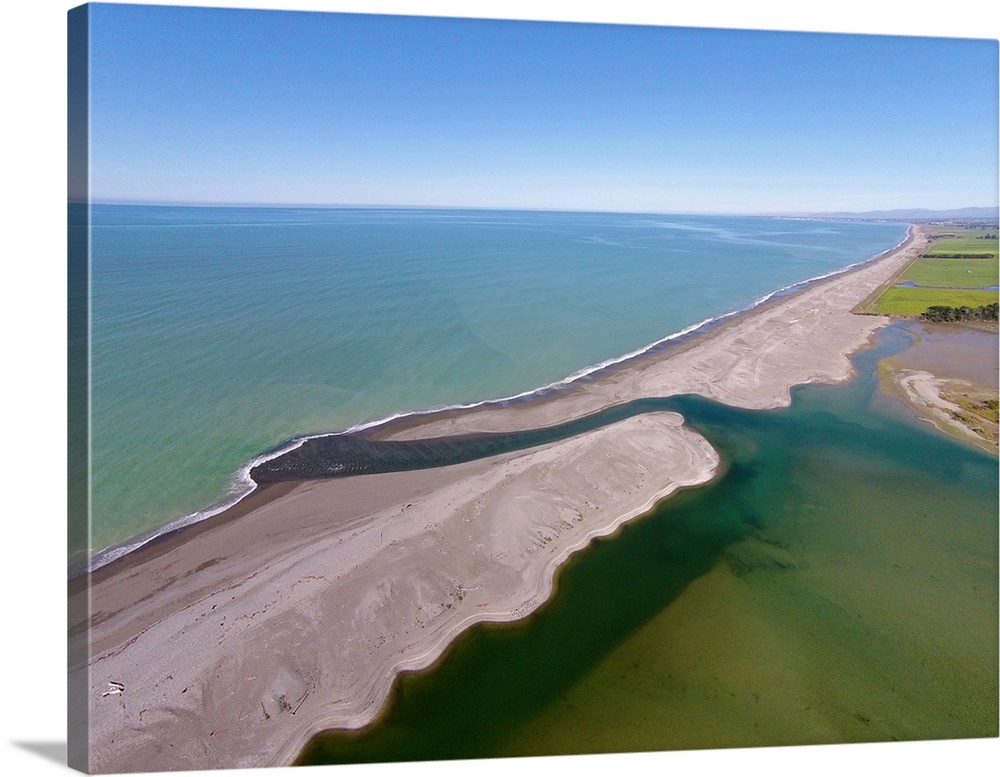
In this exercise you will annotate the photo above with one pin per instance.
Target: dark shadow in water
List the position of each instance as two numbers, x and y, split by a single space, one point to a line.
354 453
495 679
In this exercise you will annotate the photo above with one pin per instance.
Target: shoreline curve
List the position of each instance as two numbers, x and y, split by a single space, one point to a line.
243 484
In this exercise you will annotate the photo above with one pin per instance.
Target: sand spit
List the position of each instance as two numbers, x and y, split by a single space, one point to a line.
232 645
306 625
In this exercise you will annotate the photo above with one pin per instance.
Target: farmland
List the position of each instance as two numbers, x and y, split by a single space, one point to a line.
952 273
914 301
976 245
957 270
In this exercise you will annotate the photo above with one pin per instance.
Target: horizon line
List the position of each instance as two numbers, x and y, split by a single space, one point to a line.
538 209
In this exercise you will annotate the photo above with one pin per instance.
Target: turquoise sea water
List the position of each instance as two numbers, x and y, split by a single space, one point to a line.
219 333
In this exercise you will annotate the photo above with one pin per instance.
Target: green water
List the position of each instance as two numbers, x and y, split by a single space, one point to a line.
837 584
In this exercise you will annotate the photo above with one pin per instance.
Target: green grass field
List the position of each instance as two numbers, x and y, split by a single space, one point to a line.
954 273
953 282
964 244
914 301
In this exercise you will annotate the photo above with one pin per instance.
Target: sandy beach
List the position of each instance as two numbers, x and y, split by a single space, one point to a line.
232 642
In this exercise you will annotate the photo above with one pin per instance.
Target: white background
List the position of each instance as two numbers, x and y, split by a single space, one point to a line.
33 405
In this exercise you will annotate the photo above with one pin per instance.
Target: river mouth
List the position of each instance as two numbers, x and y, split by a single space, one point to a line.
817 593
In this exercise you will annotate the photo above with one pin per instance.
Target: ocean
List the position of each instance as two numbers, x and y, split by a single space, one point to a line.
218 334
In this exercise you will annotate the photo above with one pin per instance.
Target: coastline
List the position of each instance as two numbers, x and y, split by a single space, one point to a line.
397 560
395 426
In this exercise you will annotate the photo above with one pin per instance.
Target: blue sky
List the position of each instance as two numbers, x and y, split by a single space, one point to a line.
228 106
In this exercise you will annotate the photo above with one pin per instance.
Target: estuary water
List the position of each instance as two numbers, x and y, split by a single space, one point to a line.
838 583
220 333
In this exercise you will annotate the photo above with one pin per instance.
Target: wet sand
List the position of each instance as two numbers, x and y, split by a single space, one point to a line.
231 643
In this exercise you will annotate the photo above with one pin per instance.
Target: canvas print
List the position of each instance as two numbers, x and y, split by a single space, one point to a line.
462 388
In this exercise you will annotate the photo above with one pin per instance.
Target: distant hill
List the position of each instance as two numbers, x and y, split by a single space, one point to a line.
919 214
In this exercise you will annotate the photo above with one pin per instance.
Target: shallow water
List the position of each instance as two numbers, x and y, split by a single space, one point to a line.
837 584
959 353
